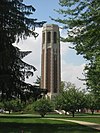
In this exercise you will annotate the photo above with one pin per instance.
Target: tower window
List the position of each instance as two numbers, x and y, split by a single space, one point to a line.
55 37
48 37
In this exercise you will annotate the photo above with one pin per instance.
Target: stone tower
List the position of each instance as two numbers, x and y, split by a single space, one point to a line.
50 59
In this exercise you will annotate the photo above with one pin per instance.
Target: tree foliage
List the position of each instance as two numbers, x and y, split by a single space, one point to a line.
38 80
14 20
13 105
33 93
66 85
70 100
81 18
15 24
42 106
92 102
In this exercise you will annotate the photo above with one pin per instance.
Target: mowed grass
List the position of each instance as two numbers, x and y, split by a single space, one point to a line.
95 118
26 124
87 119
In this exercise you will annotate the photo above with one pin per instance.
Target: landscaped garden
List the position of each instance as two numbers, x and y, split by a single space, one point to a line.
36 124
36 116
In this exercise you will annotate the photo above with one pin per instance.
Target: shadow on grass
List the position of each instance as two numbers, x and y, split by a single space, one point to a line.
19 117
33 124
10 127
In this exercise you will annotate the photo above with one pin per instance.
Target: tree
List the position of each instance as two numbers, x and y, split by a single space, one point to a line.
75 100
70 100
38 80
12 79
92 102
13 105
66 85
1 107
15 24
15 21
62 85
33 93
81 18
42 106
58 102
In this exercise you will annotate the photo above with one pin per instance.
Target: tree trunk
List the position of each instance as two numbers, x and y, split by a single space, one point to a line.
73 113
92 112
42 115
9 111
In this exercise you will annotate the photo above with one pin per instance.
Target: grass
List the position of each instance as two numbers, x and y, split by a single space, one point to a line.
80 117
29 124
87 119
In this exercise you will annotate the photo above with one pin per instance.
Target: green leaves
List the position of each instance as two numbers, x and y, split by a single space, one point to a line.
82 21
42 106
71 99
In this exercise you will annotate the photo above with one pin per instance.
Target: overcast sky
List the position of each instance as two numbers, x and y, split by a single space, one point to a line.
71 64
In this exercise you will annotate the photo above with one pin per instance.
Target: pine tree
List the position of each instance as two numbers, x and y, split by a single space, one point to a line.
15 24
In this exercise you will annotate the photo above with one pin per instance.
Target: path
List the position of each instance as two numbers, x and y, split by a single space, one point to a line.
89 124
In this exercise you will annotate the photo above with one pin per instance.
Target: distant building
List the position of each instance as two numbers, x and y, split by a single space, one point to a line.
50 59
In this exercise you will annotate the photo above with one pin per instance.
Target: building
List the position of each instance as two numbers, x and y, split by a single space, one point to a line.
50 59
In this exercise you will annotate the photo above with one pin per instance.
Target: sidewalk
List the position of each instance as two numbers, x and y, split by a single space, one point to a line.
89 124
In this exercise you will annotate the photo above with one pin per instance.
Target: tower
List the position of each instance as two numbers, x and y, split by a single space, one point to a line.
50 59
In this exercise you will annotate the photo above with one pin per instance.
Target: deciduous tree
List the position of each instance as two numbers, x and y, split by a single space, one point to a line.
92 102
81 19
71 99
42 106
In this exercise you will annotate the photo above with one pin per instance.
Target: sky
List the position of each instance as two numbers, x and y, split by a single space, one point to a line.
72 65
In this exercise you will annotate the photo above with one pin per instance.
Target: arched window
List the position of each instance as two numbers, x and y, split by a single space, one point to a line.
55 37
48 37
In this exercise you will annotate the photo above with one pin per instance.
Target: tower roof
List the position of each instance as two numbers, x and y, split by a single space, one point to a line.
50 26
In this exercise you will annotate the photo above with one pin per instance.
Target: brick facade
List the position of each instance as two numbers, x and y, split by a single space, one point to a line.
50 64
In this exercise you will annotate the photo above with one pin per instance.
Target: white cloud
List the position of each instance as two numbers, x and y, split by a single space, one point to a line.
69 71
34 45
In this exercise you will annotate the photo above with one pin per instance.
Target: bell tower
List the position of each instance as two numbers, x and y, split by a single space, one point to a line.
50 59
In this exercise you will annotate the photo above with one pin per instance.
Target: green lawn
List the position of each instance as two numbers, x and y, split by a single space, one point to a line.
88 119
17 124
80 117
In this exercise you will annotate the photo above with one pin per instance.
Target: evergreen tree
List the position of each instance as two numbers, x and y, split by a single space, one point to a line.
14 24
81 18
38 81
